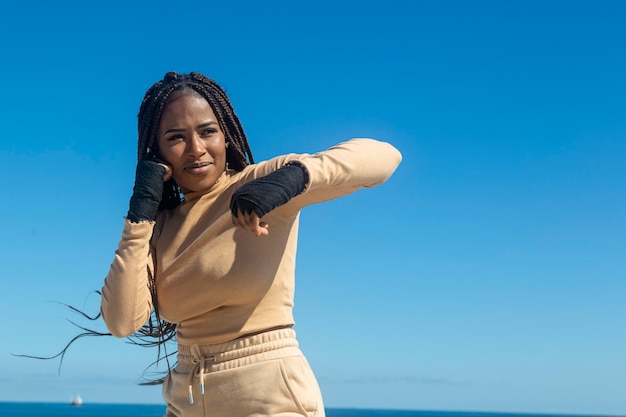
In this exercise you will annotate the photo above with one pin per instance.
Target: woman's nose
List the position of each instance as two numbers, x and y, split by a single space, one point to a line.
195 146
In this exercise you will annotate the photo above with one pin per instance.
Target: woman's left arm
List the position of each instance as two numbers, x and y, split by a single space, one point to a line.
307 179
345 168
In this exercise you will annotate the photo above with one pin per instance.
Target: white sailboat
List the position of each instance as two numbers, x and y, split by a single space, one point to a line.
76 401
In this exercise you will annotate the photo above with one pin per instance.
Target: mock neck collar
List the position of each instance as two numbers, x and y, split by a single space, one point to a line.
219 185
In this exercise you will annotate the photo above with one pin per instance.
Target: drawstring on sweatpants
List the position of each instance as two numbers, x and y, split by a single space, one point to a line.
199 365
197 360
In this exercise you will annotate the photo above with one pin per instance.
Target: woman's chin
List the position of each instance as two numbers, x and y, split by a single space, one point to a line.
199 183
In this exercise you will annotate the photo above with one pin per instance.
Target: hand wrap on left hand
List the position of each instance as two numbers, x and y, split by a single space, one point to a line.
273 190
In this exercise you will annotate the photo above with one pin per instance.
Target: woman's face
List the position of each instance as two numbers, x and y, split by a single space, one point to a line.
192 143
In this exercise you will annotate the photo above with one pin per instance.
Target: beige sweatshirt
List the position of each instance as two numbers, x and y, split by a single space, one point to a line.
218 282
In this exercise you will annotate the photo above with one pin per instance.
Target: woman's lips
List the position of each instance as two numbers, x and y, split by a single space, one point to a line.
199 168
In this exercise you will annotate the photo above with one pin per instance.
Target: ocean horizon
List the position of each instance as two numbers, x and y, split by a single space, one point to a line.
57 409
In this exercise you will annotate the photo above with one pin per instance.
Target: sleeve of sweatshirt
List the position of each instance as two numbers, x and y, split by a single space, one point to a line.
345 168
126 299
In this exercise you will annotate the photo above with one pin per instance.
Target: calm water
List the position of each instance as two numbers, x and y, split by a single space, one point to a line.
10 409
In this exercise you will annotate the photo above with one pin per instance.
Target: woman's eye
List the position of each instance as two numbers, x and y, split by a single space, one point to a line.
175 137
208 132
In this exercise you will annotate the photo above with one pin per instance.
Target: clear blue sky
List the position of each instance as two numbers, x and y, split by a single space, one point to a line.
488 274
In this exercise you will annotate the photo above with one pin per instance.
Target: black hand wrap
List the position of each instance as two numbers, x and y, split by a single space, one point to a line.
147 192
273 190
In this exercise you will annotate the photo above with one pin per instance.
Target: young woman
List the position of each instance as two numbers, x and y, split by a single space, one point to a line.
209 244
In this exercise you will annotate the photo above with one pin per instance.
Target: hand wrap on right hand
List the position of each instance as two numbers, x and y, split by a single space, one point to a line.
147 192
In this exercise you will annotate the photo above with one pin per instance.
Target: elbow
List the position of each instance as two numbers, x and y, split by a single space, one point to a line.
394 155
390 158
118 328
120 331
388 155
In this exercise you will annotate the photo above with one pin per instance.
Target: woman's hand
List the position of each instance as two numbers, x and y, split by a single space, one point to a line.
251 222
255 199
168 171
150 175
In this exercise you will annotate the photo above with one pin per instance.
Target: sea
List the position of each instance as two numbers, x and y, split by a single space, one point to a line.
24 409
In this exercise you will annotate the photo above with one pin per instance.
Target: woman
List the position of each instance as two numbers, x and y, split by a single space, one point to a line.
209 243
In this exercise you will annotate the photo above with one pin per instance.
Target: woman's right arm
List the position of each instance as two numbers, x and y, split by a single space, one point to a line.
126 296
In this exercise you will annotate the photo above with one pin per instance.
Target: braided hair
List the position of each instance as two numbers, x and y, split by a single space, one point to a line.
157 331
174 85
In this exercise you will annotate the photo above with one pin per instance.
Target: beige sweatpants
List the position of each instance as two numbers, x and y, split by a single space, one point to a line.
265 375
